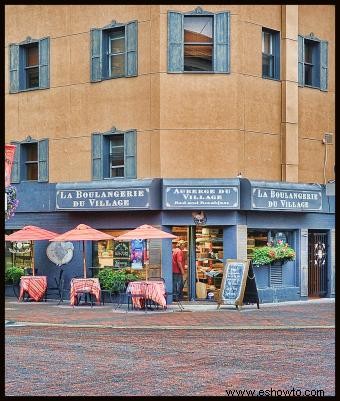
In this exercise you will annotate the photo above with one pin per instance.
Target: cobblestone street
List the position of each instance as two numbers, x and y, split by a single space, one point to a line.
193 353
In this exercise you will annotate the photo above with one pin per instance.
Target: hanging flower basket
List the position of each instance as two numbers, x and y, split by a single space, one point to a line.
12 201
266 255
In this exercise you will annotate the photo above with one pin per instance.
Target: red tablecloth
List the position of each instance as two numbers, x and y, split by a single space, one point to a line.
154 290
84 284
35 286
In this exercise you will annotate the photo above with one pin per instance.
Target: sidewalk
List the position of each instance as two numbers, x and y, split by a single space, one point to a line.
316 313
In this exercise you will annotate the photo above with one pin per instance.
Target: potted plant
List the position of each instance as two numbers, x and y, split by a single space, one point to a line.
266 255
12 278
13 275
115 280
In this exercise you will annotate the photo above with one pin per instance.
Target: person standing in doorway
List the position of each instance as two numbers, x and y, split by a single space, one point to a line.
178 267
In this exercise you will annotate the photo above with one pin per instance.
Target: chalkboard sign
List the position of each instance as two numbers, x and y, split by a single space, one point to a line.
233 283
121 250
121 263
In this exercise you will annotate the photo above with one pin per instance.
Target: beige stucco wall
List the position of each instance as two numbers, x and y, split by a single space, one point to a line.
317 108
188 125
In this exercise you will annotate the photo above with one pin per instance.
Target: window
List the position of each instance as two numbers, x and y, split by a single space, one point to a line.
29 65
30 161
114 154
30 153
313 62
117 156
114 51
270 54
198 41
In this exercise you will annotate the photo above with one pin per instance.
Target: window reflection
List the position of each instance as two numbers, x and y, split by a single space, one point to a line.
198 43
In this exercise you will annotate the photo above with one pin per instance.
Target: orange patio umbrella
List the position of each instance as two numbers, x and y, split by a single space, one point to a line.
144 232
31 233
82 233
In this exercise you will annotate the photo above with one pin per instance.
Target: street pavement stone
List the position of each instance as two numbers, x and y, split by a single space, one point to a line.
201 352
59 361
305 314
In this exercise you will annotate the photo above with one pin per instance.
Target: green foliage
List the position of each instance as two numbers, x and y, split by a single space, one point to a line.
13 274
115 280
265 255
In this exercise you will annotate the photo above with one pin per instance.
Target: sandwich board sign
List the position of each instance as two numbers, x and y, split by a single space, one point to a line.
234 284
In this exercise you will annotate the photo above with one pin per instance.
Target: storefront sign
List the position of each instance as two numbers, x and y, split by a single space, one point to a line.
192 197
284 199
103 199
121 250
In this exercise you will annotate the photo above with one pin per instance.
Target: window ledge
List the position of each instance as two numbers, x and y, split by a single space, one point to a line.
30 89
272 79
313 87
197 72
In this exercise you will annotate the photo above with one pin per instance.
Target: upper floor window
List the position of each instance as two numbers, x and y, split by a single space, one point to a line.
114 154
270 54
198 41
30 161
114 51
29 65
313 62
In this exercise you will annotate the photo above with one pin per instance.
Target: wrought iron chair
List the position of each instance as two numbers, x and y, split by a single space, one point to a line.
177 295
57 287
131 296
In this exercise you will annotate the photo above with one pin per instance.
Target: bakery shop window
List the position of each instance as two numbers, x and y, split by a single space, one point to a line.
256 238
130 255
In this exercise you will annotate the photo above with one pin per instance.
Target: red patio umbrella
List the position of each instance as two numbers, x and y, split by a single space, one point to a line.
82 233
144 232
31 233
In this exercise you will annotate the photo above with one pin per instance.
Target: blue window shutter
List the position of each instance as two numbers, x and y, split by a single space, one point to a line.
221 42
175 42
13 68
97 157
43 160
96 55
277 41
15 175
301 70
131 45
323 65
130 154
44 61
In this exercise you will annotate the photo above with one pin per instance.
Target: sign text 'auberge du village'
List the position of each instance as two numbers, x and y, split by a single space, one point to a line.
103 198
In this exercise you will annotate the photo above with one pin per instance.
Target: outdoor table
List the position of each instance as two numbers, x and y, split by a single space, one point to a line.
79 285
35 286
153 290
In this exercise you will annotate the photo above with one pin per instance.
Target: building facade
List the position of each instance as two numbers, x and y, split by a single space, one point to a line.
216 123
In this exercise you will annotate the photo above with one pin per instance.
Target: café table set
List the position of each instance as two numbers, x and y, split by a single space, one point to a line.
35 287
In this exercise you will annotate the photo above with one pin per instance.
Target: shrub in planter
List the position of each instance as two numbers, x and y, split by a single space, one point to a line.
13 274
115 280
265 255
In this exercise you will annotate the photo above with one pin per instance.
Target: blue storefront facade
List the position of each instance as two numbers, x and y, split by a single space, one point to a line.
224 218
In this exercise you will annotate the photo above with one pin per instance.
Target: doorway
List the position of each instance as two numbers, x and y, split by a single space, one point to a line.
317 264
203 254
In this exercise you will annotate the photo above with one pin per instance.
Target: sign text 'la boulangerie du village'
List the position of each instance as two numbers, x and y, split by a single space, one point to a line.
103 198
270 198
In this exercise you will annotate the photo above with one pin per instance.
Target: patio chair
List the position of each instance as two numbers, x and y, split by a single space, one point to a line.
104 294
57 288
177 295
130 297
